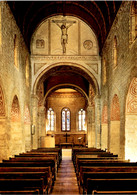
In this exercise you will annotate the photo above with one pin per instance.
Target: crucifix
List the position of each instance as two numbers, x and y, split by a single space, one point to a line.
66 135
64 25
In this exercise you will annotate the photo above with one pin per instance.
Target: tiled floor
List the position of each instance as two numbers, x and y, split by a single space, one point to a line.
66 182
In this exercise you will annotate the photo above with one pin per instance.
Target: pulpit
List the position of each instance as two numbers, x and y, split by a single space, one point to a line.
47 141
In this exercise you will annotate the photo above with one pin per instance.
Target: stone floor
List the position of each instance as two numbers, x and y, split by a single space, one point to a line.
66 182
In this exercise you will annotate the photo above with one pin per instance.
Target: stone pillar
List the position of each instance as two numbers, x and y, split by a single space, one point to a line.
98 121
90 130
42 124
34 122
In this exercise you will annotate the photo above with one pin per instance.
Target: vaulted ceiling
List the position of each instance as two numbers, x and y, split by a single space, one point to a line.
99 15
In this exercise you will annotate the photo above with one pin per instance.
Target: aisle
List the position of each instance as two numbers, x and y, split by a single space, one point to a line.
66 182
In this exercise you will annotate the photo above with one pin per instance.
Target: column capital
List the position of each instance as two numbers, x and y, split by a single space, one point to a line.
34 96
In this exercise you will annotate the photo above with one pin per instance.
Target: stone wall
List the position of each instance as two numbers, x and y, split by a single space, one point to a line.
118 79
13 83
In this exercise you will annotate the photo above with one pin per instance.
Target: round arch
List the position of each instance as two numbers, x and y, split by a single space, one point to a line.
64 85
91 78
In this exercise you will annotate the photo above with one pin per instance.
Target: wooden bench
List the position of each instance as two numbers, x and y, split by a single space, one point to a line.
114 192
28 172
99 163
94 154
111 185
23 184
50 163
86 158
86 150
30 192
40 158
38 154
103 175
41 150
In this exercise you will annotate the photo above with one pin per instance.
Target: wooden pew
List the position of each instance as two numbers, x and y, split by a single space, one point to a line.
29 175
95 154
22 184
80 158
40 150
111 185
30 192
11 169
103 175
35 158
99 163
114 192
83 150
41 154
48 163
28 172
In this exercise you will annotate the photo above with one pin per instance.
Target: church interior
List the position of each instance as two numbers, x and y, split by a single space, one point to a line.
68 80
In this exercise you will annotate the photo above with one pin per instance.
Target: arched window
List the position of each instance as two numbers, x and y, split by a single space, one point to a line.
27 71
81 120
115 52
16 51
50 120
65 119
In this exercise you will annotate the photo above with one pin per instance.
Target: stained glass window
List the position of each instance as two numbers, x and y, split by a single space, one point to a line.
81 120
65 119
50 121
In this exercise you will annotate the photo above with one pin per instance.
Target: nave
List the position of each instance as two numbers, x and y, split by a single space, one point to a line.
51 171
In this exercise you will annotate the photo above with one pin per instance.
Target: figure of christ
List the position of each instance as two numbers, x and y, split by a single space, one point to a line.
62 24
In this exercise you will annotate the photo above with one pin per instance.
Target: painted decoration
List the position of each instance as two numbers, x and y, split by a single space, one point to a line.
15 110
131 107
115 109
2 104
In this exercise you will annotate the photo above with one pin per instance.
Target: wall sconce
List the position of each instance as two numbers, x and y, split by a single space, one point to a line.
32 129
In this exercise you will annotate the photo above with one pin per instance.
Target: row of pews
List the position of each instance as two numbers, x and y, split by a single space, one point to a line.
101 172
33 172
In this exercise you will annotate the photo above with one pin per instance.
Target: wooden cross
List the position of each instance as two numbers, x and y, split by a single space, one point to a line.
66 135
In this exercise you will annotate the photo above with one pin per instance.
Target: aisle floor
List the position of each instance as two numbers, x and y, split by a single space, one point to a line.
66 181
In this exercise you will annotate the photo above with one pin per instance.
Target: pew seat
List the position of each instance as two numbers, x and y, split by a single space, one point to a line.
111 185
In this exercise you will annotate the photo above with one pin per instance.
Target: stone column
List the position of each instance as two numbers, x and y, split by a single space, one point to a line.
90 130
34 121
42 124
98 121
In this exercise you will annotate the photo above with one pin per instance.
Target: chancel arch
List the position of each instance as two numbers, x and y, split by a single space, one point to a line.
130 122
115 125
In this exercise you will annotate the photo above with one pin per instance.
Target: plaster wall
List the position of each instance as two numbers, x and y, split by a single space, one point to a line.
13 82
